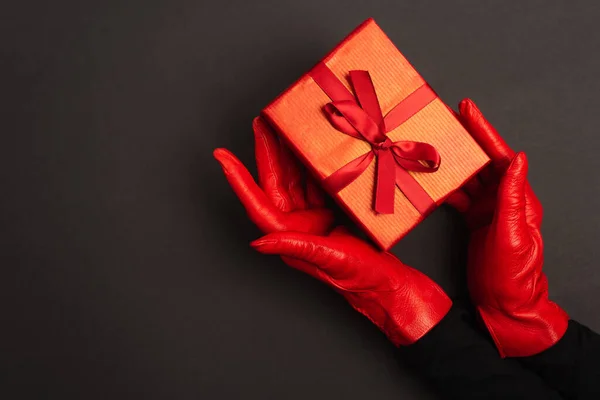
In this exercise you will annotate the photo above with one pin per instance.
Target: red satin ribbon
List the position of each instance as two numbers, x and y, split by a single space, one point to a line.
366 122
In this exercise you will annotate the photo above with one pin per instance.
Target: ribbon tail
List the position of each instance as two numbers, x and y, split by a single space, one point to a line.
385 188
414 192
347 174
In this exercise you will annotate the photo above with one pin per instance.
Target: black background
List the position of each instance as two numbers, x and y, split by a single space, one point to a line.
126 270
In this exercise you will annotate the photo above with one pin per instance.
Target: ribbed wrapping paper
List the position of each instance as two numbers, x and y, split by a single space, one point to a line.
297 115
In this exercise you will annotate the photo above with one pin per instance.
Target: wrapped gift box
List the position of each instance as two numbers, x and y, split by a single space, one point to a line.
387 173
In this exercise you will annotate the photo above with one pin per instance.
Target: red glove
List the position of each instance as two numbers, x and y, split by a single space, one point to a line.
280 203
401 301
505 275
404 303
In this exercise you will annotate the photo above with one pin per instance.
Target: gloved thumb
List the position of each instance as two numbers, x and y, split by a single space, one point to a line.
318 250
510 210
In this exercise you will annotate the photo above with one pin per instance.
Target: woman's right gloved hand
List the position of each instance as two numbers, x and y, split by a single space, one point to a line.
403 302
505 277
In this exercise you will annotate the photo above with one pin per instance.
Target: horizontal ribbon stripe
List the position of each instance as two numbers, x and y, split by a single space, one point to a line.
408 107
364 120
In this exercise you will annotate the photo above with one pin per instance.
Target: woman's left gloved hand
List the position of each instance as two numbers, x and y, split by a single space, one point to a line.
401 301
505 277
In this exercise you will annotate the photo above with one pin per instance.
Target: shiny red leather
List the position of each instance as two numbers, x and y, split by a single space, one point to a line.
505 277
282 202
404 303
401 301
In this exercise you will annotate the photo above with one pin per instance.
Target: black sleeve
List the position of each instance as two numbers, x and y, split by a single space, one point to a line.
462 363
572 365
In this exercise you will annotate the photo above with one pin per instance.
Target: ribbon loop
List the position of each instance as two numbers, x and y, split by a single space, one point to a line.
353 120
416 156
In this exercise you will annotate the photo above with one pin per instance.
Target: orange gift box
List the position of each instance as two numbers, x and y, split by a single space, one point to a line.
329 118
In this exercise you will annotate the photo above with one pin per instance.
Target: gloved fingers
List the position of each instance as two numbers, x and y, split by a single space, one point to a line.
534 209
271 170
481 213
319 250
474 187
312 270
500 153
314 194
340 231
459 200
259 208
316 221
485 134
489 175
294 176
303 266
511 203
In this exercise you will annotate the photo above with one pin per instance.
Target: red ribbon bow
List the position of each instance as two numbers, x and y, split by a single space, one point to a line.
366 122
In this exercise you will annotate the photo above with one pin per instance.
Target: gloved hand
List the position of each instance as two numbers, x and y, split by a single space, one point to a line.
401 301
404 303
280 203
505 277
